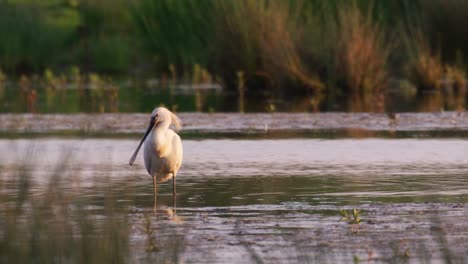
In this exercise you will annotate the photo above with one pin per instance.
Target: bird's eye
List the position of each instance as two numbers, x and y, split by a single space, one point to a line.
156 115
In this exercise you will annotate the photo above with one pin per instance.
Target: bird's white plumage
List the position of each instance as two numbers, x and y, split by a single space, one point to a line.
162 154
163 148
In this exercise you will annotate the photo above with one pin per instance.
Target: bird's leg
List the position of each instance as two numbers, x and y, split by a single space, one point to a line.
173 186
154 190
173 190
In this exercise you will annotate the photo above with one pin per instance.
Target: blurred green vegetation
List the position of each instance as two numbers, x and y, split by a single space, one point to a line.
280 47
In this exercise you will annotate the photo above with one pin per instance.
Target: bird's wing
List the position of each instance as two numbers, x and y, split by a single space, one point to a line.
178 152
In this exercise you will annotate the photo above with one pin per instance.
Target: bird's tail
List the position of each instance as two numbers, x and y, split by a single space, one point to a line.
164 177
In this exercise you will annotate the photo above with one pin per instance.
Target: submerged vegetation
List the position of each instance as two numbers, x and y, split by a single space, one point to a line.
280 48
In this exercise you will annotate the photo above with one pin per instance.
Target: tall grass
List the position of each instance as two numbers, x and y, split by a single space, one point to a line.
426 68
104 40
287 42
38 34
445 25
360 48
281 46
27 37
214 34
435 44
248 36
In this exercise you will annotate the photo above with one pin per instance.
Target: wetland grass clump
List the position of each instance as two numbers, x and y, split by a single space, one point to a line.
259 38
281 47
350 48
428 71
437 52
457 78
445 25
275 31
285 48
363 50
288 47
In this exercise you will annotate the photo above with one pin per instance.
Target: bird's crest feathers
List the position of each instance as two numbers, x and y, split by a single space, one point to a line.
176 121
169 115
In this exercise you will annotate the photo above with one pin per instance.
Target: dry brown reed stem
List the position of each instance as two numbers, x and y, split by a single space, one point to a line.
363 52
457 78
270 32
278 40
425 69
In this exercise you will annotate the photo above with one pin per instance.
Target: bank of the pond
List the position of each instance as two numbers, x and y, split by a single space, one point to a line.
212 125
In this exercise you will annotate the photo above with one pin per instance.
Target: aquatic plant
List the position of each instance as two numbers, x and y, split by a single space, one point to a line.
354 219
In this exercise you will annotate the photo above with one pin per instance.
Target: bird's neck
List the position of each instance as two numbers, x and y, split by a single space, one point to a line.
160 132
163 125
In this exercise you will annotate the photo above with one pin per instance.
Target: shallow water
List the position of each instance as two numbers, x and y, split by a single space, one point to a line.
274 200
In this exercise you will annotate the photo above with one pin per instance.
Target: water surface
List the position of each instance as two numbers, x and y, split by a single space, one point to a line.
272 200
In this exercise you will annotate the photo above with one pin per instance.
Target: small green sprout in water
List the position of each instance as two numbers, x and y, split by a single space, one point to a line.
354 220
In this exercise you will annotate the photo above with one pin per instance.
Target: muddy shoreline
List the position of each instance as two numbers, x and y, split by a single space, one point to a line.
443 124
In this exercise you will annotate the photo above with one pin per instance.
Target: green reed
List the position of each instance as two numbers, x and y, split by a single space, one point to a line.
283 47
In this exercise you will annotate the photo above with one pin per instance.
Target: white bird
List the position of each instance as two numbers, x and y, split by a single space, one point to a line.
163 148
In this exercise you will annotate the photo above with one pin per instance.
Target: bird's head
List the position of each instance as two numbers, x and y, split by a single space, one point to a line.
160 115
163 115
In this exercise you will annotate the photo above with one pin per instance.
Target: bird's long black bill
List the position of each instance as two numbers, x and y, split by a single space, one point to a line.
132 159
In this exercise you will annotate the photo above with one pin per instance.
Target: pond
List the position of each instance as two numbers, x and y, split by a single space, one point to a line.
242 200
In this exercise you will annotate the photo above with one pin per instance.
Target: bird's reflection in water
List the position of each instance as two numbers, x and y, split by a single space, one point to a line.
162 210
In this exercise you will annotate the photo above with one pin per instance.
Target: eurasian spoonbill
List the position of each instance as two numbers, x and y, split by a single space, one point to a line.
163 148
